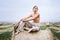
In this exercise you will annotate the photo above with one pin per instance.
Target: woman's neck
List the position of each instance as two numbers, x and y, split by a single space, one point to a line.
35 12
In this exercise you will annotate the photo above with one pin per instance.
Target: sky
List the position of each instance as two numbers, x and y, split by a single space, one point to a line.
14 10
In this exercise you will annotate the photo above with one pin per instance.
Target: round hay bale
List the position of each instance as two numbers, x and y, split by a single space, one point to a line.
41 35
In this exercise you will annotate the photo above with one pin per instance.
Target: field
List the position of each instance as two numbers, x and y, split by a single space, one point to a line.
54 27
6 29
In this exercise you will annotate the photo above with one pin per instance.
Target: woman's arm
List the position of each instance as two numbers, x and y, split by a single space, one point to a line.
31 18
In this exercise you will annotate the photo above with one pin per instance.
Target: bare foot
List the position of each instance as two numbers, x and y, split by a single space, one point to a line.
17 33
25 28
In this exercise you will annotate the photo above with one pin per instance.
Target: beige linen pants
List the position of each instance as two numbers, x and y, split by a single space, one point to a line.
33 26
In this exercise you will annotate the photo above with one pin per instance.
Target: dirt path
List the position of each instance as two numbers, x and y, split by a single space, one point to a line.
41 35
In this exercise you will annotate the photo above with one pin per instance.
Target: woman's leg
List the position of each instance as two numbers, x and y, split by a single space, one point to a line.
21 26
34 29
28 24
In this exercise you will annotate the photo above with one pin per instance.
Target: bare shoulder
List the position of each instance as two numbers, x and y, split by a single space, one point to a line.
30 13
38 13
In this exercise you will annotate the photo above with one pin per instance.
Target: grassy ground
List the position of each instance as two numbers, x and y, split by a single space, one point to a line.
6 31
7 28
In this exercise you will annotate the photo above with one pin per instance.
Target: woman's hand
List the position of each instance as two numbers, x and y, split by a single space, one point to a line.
22 19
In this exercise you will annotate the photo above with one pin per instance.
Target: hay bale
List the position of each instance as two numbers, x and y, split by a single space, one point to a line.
41 35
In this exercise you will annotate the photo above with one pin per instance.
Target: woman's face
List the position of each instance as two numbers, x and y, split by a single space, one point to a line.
35 9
